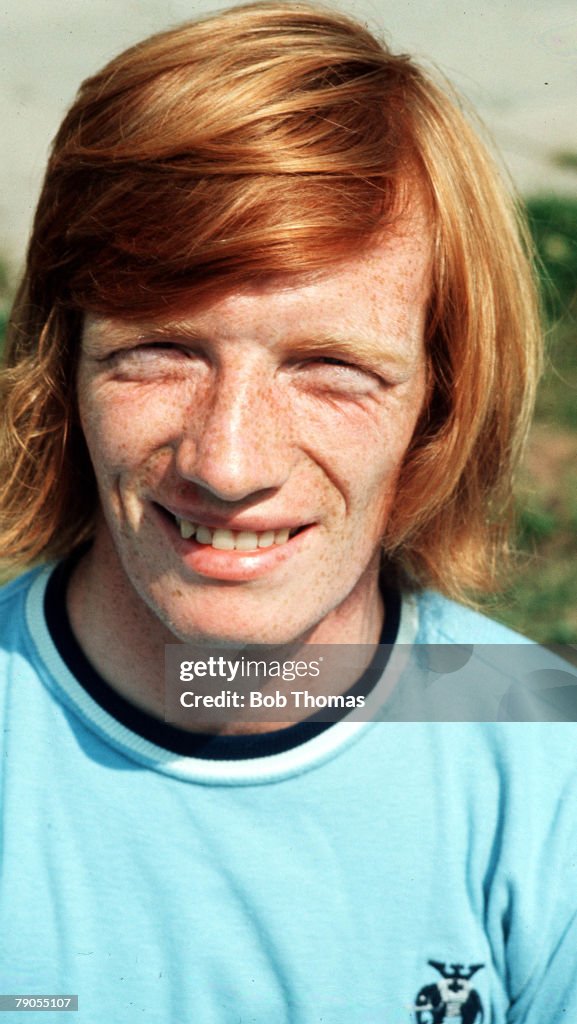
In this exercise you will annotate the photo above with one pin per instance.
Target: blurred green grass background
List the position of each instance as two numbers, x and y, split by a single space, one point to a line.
541 599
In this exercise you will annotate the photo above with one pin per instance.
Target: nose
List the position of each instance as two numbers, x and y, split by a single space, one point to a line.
237 439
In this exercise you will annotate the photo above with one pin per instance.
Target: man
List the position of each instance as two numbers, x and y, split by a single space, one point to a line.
269 374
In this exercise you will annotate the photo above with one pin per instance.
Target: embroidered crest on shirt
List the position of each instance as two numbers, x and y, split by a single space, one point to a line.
452 998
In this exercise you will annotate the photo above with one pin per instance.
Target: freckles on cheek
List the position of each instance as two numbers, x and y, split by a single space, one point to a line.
107 443
372 490
374 440
340 427
122 428
128 459
371 463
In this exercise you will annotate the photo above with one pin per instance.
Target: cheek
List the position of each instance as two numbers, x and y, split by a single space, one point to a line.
366 451
121 430
107 436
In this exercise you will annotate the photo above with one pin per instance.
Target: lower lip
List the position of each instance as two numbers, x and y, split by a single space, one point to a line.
233 566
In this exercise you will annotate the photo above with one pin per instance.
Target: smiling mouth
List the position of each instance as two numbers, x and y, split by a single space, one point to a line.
234 540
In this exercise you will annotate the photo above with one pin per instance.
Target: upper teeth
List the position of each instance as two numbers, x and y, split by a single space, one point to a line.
231 540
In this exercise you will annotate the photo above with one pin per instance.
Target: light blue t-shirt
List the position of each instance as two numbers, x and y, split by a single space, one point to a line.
380 873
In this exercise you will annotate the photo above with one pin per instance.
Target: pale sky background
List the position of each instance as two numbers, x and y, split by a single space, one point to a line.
516 60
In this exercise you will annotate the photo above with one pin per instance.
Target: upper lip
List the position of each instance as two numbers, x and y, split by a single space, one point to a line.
238 524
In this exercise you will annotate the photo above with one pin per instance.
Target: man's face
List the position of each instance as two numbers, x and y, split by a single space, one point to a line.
274 419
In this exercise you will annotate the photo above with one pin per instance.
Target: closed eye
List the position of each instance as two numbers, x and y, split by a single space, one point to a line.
336 375
142 350
150 360
162 346
333 361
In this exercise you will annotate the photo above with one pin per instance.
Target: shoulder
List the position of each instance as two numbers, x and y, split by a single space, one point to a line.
14 592
479 670
446 622
18 587
13 604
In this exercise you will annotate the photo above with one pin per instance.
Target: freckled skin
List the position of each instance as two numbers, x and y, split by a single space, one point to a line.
250 417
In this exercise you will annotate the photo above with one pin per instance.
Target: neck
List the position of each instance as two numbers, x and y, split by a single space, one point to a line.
125 642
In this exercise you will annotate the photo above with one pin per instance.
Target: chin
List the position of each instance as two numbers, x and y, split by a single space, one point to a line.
231 635
224 626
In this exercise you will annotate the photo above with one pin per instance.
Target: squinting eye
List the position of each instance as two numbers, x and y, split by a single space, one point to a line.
148 352
331 361
160 347
334 362
338 375
149 359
